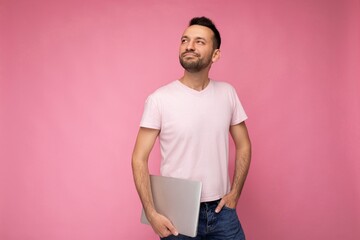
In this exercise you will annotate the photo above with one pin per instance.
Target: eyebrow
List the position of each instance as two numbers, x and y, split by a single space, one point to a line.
196 38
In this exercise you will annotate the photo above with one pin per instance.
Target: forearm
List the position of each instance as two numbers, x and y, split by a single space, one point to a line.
142 183
242 165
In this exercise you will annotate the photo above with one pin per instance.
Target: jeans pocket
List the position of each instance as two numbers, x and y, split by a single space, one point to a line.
229 208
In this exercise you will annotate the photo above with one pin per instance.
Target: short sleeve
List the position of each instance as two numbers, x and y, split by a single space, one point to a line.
151 117
239 114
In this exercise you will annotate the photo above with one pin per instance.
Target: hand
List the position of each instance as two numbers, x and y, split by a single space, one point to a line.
162 225
229 200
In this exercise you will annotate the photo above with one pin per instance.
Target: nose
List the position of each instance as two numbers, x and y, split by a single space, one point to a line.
190 46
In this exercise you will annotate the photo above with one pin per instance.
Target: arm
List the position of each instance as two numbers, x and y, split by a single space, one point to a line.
143 146
242 142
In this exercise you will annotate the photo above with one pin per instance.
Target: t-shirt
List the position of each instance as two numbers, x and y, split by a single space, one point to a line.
194 132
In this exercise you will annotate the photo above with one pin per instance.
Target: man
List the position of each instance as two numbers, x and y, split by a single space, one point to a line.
193 117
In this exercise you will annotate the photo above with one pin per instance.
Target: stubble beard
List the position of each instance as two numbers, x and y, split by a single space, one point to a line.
194 66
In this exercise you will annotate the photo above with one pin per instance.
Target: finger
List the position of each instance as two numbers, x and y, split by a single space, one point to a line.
220 206
172 229
165 233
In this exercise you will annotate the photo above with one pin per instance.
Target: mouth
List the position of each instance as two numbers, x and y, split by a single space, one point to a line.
189 54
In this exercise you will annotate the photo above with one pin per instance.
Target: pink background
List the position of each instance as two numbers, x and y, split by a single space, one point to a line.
74 78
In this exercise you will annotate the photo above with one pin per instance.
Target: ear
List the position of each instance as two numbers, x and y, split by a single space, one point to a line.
216 55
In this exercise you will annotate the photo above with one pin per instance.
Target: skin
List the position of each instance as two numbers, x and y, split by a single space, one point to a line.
196 49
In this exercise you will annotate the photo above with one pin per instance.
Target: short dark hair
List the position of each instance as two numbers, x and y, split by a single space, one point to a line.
206 22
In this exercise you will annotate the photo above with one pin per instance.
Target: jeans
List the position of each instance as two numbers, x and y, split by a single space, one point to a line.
224 225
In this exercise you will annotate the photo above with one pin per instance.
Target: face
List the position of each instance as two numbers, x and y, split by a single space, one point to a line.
196 49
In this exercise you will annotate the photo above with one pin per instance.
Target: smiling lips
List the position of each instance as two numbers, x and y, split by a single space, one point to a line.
186 54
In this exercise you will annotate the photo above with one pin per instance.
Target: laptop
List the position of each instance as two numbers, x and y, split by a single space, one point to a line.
178 200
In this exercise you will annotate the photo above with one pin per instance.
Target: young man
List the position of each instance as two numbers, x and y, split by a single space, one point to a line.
193 117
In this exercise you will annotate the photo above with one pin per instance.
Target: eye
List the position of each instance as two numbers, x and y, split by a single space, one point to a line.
200 42
184 40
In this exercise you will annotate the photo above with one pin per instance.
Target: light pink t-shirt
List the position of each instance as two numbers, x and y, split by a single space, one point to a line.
194 132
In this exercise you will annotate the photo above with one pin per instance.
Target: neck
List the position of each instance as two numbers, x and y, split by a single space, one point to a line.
197 81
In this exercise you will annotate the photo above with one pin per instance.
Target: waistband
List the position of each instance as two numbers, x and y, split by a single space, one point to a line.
215 202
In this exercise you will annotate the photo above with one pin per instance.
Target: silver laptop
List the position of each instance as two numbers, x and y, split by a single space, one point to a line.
178 200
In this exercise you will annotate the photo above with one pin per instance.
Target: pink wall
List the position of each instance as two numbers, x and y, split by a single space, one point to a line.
74 77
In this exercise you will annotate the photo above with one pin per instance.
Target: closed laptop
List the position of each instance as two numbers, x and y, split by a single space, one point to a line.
178 200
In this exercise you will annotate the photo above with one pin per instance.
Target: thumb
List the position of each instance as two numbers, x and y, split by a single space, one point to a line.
220 206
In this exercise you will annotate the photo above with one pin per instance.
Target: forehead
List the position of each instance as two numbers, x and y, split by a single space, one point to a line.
197 31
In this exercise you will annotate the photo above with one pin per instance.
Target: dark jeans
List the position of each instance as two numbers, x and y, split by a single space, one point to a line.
224 225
